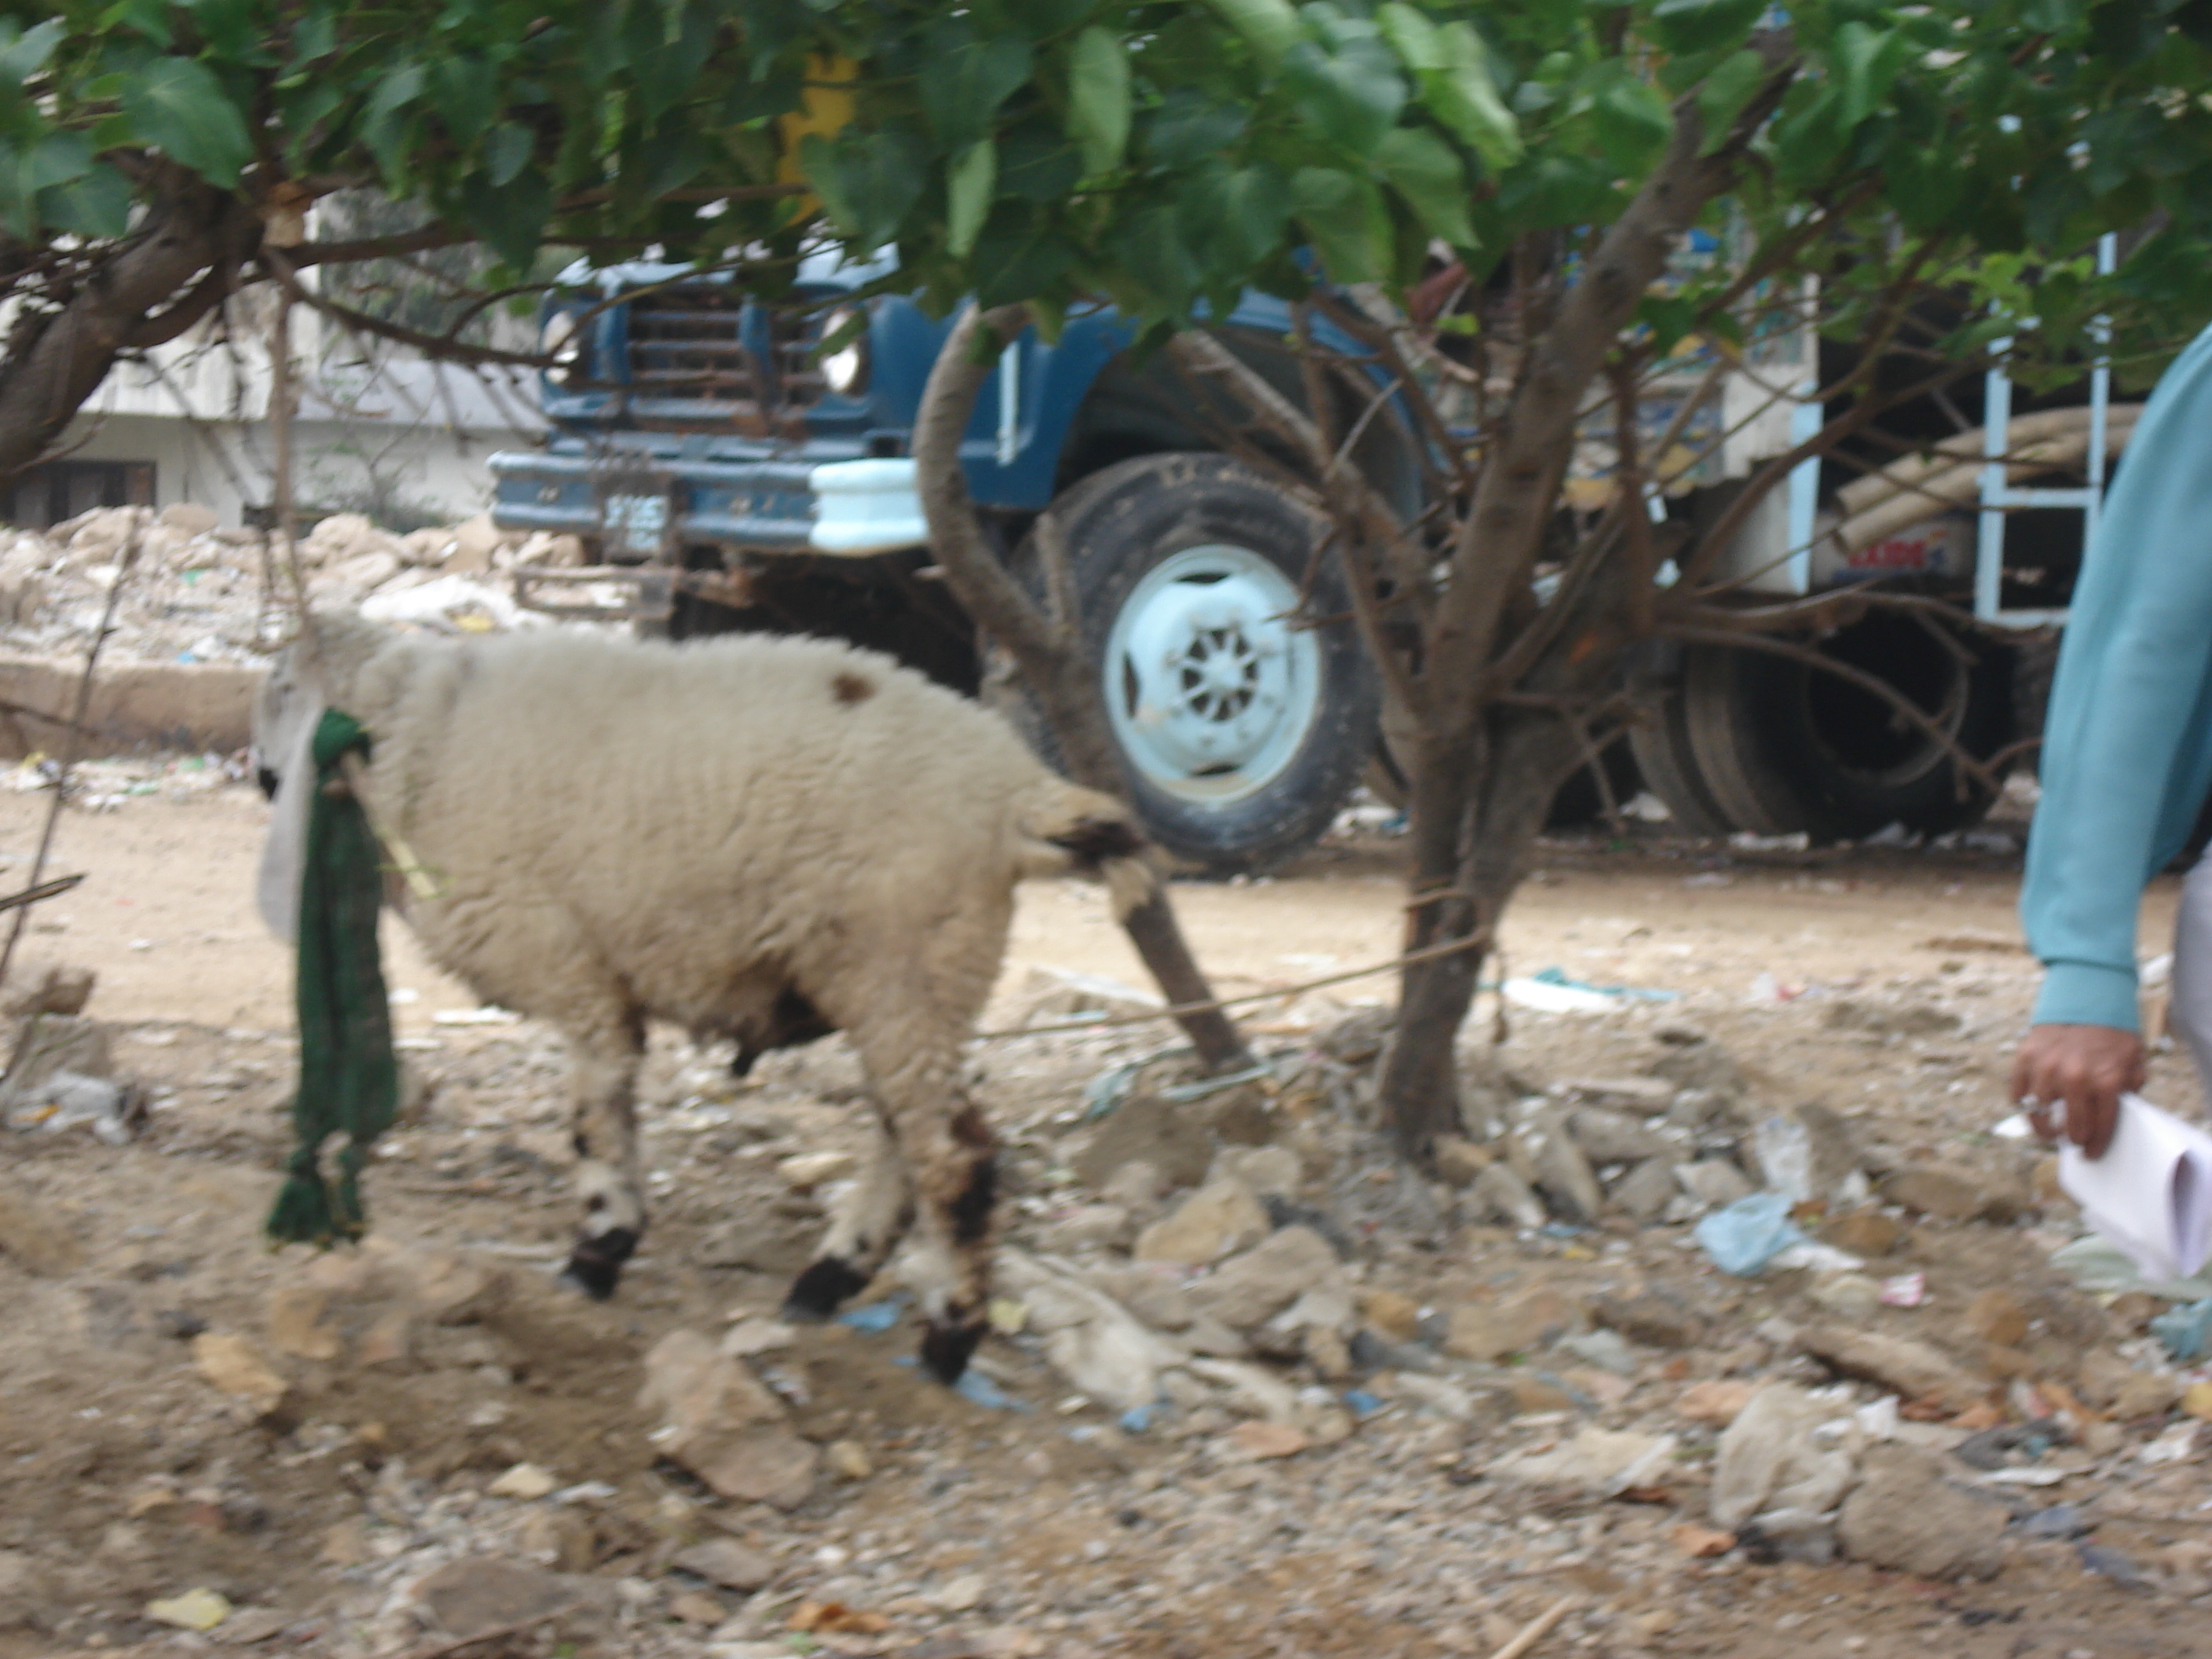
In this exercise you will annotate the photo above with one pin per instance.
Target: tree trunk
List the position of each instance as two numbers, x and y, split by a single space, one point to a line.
174 270
1051 659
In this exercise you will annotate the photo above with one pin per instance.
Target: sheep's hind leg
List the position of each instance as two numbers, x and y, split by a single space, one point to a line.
603 1103
869 1220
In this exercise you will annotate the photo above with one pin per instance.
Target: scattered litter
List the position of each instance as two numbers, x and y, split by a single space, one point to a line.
2097 1265
66 1099
2059 1521
486 1016
2109 1563
1551 991
2186 1331
1744 1237
979 1389
1745 840
1364 1404
198 1610
874 1318
1905 1290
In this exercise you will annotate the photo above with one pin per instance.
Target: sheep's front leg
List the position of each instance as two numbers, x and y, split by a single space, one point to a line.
603 1119
955 1176
870 1218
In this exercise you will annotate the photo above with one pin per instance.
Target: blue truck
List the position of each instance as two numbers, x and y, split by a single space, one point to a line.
735 463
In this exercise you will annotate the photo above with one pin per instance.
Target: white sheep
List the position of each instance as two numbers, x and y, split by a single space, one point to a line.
755 837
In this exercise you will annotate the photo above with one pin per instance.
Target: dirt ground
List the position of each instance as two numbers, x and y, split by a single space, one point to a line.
1051 1529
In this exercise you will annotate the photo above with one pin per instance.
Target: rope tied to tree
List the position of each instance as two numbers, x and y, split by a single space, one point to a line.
348 1072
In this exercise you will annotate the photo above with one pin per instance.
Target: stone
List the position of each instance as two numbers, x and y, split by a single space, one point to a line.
1217 1220
1655 1318
190 517
1358 1037
1460 1161
1562 1174
236 1367
1250 1288
1138 1187
526 1481
1269 1171
1604 1349
1154 1295
200 1610
1770 1458
1995 1315
723 1423
1499 1194
1931 1189
1487 1332
964 1594
1242 1116
1904 1514
48 988
1168 1137
1091 1227
1699 1543
2196 1400
1646 1190
806 1171
1531 1395
1714 1181
1611 1137
756 1334
1863 1232
848 1460
1327 1352
1718 1400
1911 1368
2111 1385
696 1607
1646 1093
1888 1019
1703 1064
725 1562
1853 1296
1394 1315
303 1323
1599 1462
446 1288
474 543
1260 1439
479 1594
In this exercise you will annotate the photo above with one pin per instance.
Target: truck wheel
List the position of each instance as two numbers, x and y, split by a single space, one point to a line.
1241 731
1668 764
1781 747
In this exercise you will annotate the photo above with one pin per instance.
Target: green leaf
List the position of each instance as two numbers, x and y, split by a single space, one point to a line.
1723 96
177 105
1425 170
1037 165
1269 26
1344 216
1350 97
1150 246
511 217
149 18
963 79
1865 63
464 89
1632 123
970 180
315 36
1696 25
383 120
1189 128
1463 94
1015 264
868 181
24 56
97 204
1234 217
507 150
1098 98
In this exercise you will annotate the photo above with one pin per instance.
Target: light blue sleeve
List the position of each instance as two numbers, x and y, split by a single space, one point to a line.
2127 749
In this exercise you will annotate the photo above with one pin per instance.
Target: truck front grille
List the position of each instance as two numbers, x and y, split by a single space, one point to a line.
704 353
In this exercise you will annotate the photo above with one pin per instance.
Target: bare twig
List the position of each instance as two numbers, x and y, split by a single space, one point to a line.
75 742
1538 1628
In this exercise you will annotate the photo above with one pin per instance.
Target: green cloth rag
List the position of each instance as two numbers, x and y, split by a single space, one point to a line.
348 1074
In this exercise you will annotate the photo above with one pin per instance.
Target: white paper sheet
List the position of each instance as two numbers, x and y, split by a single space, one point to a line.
2151 1193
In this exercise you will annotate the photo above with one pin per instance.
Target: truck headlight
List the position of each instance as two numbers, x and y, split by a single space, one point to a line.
558 338
845 366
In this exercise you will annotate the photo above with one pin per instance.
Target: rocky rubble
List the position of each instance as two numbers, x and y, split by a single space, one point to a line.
201 592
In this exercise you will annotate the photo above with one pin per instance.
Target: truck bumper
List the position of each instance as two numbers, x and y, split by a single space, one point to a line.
640 506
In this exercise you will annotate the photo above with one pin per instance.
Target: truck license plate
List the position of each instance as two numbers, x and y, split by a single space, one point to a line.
637 525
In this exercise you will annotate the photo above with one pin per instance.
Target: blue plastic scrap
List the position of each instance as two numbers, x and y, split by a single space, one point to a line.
1138 1419
874 1318
2186 1331
1749 1233
1363 1403
978 1389
1640 993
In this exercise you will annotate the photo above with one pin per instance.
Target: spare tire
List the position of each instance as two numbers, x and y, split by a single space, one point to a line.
1781 746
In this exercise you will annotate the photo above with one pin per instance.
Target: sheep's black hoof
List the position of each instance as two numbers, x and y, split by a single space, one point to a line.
945 1349
815 1294
595 1265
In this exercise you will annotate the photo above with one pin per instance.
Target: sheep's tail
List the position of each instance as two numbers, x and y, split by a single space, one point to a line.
1063 829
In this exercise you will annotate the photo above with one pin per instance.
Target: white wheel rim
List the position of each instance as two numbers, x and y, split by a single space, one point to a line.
1209 689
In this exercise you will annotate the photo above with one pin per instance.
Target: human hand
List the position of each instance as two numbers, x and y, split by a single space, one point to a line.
2084 1069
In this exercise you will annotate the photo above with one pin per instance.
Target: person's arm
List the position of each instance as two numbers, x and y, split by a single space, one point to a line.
2127 753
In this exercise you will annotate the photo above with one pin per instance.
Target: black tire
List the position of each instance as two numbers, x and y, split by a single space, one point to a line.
1670 767
1125 522
1781 746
